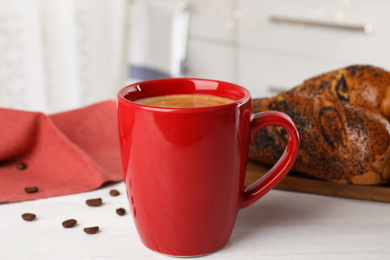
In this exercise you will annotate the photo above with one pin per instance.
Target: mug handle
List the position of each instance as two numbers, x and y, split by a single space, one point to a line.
260 187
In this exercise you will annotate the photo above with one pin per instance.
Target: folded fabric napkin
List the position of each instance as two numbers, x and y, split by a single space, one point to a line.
59 154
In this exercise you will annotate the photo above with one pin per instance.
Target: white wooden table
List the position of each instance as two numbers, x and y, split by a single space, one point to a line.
282 225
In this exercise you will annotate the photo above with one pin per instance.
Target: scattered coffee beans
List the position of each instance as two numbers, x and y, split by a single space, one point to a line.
121 211
31 189
21 166
69 223
94 202
28 216
114 192
91 230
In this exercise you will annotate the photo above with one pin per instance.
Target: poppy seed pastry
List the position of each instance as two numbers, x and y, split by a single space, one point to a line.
361 85
340 142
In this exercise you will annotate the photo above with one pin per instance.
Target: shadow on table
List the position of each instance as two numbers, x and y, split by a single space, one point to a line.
275 213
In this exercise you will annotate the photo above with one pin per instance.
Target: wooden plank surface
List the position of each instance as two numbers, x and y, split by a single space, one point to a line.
301 183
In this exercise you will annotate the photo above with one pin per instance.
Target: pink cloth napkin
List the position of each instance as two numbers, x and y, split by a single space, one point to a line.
65 153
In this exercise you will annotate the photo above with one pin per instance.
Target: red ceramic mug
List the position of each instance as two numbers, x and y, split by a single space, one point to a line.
184 168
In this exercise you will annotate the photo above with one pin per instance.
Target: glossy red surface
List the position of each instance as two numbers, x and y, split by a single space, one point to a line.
184 168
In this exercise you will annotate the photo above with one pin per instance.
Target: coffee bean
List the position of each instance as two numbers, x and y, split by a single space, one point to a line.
69 223
114 192
28 216
21 166
121 211
94 202
31 189
91 230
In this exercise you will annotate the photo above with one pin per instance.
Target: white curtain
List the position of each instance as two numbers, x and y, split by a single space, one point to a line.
62 54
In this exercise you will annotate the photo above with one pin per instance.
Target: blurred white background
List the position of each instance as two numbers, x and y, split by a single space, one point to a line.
62 54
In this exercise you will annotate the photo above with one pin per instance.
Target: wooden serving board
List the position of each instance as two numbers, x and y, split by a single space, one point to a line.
301 183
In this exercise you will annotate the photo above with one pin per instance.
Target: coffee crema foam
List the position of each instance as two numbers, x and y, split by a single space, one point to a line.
185 101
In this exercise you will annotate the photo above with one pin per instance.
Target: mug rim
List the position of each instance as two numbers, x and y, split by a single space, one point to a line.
136 86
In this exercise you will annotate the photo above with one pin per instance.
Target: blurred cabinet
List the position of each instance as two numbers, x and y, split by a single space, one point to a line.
211 40
271 45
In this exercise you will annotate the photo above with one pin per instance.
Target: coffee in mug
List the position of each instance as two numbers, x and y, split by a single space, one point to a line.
184 168
185 101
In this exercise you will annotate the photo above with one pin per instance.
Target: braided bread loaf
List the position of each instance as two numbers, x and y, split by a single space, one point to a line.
344 138
361 85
